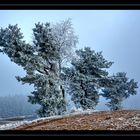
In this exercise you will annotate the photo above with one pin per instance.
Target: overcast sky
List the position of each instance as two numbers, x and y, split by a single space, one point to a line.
115 32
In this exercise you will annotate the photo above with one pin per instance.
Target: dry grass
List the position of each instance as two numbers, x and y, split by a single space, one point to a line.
104 120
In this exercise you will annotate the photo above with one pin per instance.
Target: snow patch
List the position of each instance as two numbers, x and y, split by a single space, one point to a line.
12 125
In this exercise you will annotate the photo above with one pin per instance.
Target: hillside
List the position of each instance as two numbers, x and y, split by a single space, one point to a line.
103 120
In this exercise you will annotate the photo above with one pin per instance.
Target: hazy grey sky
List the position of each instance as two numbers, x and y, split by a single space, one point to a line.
115 32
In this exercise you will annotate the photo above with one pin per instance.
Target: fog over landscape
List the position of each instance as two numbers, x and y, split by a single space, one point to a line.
114 32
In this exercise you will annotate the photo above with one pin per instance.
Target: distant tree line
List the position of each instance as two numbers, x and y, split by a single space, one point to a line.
85 77
16 105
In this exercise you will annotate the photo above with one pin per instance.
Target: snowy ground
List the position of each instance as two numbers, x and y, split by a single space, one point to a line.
12 125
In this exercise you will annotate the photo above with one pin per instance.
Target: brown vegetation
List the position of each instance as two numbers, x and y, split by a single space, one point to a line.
103 120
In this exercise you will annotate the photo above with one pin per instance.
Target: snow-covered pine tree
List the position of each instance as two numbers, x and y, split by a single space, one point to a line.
41 61
119 88
85 77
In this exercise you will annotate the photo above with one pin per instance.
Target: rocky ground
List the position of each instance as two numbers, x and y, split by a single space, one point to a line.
103 120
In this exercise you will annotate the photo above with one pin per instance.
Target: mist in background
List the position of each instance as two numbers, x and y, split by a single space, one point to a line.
114 32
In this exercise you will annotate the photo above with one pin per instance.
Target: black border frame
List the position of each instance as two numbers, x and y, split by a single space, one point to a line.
69 6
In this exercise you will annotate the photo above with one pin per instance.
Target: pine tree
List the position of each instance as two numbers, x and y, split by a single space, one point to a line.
85 77
119 89
41 61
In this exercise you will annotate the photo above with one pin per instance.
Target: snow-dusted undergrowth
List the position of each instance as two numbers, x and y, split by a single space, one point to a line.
19 123
12 125
76 112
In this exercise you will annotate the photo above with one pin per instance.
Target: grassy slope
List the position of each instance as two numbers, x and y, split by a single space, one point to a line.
103 120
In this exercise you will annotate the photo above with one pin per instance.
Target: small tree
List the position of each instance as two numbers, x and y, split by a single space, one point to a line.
65 39
84 77
119 89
